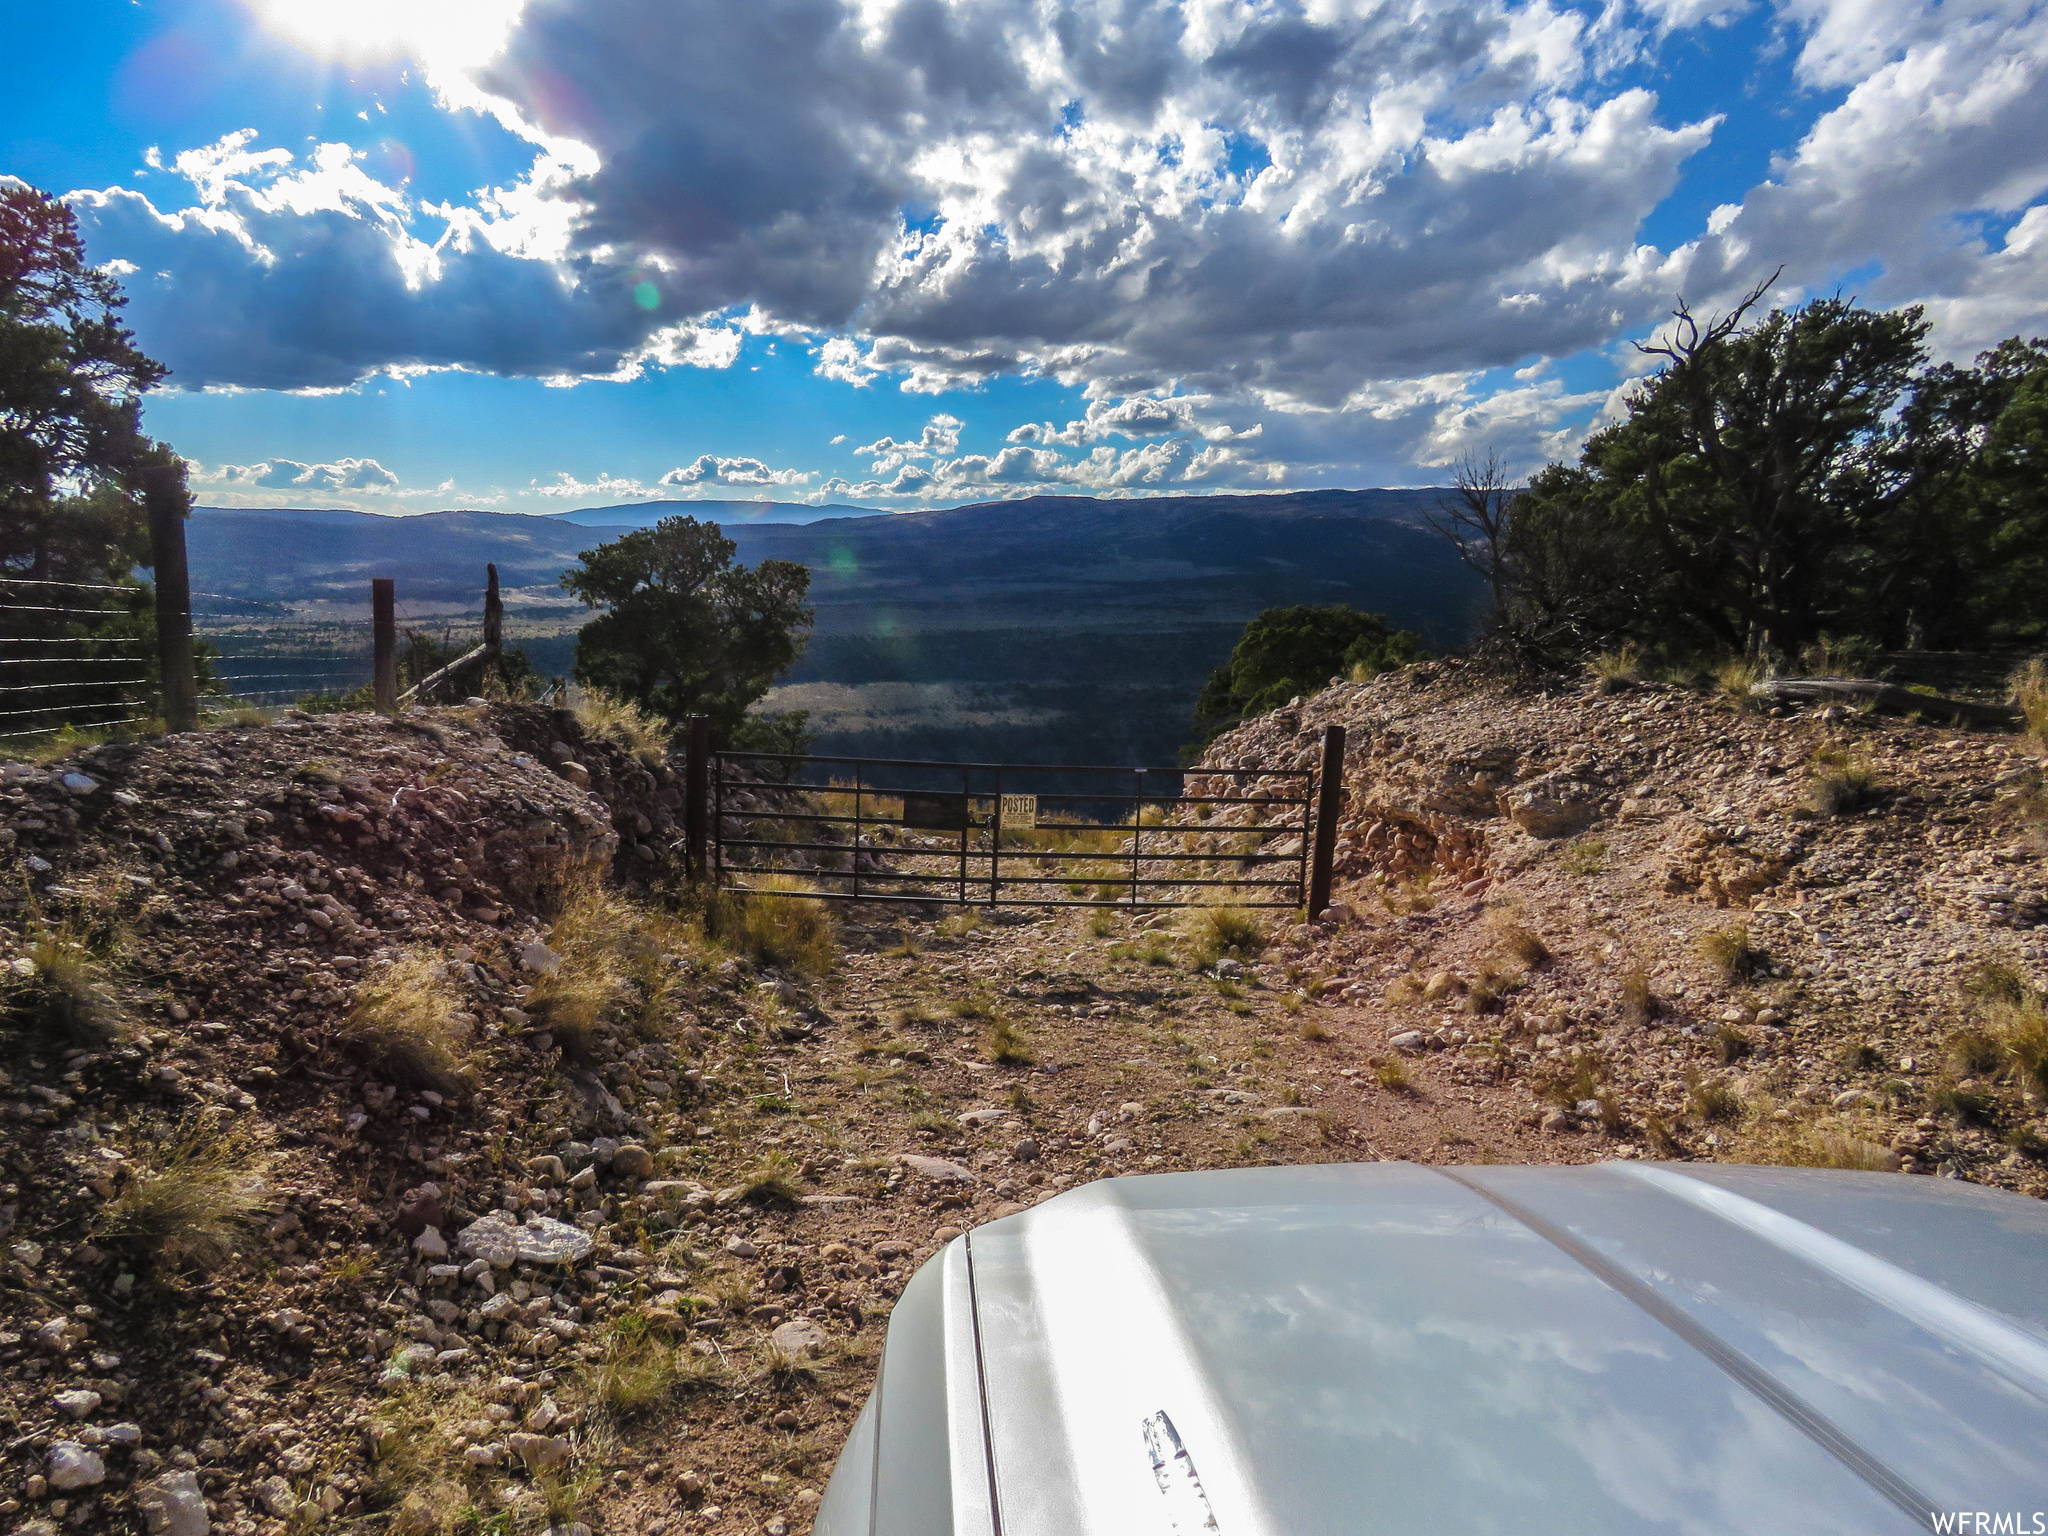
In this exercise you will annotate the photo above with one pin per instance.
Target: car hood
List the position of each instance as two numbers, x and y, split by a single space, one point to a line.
1385 1347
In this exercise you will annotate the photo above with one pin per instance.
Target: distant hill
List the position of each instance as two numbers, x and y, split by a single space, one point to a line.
1051 628
644 514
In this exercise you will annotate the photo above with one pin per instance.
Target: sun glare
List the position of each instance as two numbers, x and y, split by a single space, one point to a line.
450 34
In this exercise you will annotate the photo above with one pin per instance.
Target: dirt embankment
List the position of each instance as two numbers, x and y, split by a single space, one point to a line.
526 1204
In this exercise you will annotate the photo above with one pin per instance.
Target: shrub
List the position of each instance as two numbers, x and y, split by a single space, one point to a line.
404 1025
188 1201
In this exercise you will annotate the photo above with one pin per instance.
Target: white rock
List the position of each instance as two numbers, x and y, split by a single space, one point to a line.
172 1505
275 1494
492 1238
938 1168
799 1336
76 1404
430 1243
71 1466
538 957
543 1240
78 783
1408 1040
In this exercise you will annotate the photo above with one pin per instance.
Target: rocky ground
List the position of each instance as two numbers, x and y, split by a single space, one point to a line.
621 1253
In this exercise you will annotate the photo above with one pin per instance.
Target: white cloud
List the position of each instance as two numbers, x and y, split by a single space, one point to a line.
1307 232
567 487
709 470
289 474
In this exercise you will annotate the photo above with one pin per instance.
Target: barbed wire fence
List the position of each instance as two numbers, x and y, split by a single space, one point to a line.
94 656
50 679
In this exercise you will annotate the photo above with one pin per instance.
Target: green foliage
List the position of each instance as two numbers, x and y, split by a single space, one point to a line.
683 630
77 475
1289 651
1786 481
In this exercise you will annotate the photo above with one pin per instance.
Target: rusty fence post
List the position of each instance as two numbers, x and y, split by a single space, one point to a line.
1329 803
697 795
384 632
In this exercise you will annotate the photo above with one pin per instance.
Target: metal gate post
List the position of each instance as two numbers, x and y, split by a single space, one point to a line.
1329 802
167 503
696 794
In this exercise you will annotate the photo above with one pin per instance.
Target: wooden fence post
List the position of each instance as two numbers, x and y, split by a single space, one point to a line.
1329 804
167 501
697 796
384 630
494 627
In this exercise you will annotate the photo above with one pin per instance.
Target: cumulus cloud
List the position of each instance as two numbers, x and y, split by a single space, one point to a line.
709 470
314 275
1288 234
289 474
567 487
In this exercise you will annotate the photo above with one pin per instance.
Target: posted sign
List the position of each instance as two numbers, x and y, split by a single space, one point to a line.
1020 810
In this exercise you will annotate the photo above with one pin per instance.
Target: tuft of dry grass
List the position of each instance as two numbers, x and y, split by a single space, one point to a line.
1818 1147
1313 1030
1713 1099
625 725
779 923
2030 695
2013 1041
189 1200
1731 1044
1732 954
1009 1046
404 1023
1844 785
1639 1001
1737 680
775 1180
1587 856
1524 945
1225 932
71 986
1391 1073
1617 671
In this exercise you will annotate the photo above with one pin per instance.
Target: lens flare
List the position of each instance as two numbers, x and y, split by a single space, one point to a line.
448 34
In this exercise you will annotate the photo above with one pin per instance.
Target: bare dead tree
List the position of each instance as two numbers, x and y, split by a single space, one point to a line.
1475 521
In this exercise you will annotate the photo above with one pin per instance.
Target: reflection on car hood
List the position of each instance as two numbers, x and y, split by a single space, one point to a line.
1386 1347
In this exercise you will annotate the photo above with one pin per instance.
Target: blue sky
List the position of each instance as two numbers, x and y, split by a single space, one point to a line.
412 254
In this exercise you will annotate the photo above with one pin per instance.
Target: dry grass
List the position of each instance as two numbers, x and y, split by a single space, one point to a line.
1225 933
1713 1100
1639 1001
1391 1073
1737 680
1821 1147
1732 954
1587 856
1313 1030
1007 1045
73 988
1731 1044
1616 671
1844 785
2030 695
1524 945
777 924
774 1180
188 1199
2013 1041
404 1023
625 725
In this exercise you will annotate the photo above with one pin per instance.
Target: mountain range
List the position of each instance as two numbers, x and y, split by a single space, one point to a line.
1051 628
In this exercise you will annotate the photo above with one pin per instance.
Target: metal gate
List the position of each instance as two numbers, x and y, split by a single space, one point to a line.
1013 834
